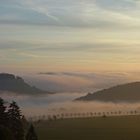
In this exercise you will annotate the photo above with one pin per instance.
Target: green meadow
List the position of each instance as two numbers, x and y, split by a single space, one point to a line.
98 128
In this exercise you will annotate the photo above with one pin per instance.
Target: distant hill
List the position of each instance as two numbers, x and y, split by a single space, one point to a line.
12 83
122 93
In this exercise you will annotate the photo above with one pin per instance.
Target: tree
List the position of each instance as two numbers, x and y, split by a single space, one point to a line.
3 113
5 134
31 134
12 123
25 123
15 121
54 117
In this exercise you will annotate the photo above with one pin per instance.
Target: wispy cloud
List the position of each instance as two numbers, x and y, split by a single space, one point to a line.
39 6
74 13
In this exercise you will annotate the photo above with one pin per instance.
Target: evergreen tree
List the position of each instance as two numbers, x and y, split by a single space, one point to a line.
3 113
5 134
15 121
24 122
31 134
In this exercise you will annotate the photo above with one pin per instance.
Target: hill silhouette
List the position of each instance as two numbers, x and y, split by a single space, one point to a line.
12 83
122 93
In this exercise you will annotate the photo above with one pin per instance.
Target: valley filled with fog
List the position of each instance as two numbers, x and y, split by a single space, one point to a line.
65 88
63 103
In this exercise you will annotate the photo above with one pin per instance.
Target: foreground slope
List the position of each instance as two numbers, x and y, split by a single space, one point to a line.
12 83
110 128
122 93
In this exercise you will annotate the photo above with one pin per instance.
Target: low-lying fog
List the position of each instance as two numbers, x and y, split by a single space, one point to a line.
63 103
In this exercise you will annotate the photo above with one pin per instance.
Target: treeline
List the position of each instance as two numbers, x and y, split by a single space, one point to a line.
83 115
13 125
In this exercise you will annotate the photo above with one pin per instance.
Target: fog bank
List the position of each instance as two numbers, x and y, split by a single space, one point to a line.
63 103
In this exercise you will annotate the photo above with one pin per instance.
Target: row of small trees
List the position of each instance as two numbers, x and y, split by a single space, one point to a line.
13 125
84 115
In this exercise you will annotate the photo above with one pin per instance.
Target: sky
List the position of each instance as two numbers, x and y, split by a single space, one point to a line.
95 43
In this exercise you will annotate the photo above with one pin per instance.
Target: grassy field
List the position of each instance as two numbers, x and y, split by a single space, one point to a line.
110 128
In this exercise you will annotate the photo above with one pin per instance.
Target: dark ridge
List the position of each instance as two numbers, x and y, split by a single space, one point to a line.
12 83
122 93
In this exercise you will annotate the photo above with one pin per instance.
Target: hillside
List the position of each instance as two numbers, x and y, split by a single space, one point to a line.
122 93
12 83
96 128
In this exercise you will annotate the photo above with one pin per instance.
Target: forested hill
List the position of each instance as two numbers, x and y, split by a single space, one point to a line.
12 83
122 93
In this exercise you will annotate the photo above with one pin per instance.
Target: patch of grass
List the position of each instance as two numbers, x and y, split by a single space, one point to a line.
110 128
